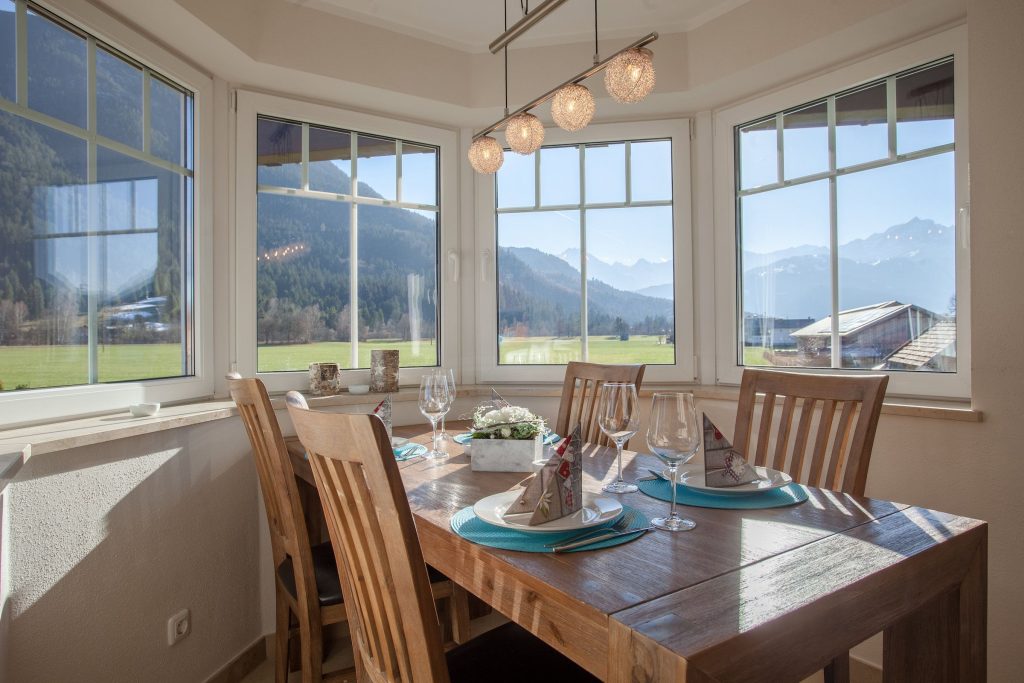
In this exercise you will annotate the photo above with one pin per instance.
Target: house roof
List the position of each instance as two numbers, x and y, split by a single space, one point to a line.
853 319
917 352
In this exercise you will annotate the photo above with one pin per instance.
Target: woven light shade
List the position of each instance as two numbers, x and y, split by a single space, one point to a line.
486 155
630 76
573 107
524 133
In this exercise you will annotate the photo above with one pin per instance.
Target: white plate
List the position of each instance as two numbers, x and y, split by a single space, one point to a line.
398 442
693 478
597 509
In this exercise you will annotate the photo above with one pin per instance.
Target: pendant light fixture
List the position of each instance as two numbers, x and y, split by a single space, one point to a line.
486 155
630 76
572 107
524 133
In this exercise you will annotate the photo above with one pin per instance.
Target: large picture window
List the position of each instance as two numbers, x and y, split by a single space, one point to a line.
613 203
347 247
846 229
96 210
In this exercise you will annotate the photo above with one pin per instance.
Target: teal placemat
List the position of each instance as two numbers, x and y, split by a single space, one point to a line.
662 490
409 451
472 528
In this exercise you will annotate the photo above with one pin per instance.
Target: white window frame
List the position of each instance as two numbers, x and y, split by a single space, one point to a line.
917 384
49 404
684 368
253 104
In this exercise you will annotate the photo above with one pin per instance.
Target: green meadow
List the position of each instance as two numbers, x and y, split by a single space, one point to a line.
52 366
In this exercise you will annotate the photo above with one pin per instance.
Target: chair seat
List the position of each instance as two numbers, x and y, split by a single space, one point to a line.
325 571
511 653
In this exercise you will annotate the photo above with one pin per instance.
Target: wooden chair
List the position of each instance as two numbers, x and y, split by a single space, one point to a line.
397 634
844 435
581 391
306 583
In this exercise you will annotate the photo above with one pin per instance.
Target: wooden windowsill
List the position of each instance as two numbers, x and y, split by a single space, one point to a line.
66 434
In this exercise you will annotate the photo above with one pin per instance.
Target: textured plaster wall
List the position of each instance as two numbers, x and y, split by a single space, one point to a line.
106 542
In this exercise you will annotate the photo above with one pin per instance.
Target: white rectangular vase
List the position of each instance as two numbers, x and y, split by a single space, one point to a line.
506 455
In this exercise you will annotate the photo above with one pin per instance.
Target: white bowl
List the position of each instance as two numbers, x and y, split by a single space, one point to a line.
144 409
359 389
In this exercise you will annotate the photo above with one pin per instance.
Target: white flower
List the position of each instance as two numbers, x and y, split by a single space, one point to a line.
506 432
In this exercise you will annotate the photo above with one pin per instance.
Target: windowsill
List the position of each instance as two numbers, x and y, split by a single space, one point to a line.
66 434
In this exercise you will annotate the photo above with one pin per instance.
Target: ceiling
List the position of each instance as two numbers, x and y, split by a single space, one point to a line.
471 25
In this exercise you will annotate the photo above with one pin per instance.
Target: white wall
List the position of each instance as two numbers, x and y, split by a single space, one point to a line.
108 541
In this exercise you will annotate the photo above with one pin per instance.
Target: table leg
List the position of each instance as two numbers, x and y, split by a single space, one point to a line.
945 639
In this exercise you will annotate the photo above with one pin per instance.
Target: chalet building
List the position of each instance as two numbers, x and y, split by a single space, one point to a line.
869 334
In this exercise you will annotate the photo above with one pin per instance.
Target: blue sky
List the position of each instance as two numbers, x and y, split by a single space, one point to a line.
868 202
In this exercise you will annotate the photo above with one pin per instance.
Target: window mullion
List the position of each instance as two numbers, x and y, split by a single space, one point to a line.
353 251
890 114
304 166
833 228
94 212
21 45
584 318
780 161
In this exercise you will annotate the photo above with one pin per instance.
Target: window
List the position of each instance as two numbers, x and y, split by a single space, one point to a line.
847 213
612 201
339 242
347 247
96 211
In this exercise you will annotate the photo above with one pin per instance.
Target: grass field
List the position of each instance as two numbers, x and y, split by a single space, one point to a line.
53 366
754 355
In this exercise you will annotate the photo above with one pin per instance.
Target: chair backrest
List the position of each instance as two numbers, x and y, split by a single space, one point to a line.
398 636
580 394
288 534
841 446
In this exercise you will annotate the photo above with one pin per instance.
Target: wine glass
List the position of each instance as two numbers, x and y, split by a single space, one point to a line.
673 437
449 374
435 401
618 416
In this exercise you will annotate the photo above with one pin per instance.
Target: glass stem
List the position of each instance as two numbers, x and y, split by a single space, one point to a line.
443 430
618 458
433 436
672 475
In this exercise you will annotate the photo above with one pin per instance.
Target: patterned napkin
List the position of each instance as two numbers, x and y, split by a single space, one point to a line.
723 465
557 489
383 411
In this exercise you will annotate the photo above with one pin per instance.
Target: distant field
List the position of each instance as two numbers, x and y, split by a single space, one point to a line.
754 355
54 366
551 350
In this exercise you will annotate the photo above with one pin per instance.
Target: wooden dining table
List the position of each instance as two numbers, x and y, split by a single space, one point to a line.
748 595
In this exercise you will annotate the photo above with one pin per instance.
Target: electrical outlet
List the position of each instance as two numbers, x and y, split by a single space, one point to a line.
179 626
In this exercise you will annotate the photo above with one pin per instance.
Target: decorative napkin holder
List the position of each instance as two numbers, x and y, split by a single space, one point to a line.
556 491
506 455
383 411
384 370
724 466
324 379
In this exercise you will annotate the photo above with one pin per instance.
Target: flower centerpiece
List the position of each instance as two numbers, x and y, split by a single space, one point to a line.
506 439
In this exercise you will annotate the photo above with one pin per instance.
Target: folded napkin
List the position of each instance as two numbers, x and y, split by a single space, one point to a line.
383 411
557 489
723 465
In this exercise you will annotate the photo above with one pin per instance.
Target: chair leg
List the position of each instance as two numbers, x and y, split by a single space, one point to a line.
838 670
460 614
281 641
311 635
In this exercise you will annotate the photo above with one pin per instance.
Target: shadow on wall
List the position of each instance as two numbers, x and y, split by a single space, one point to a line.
108 541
